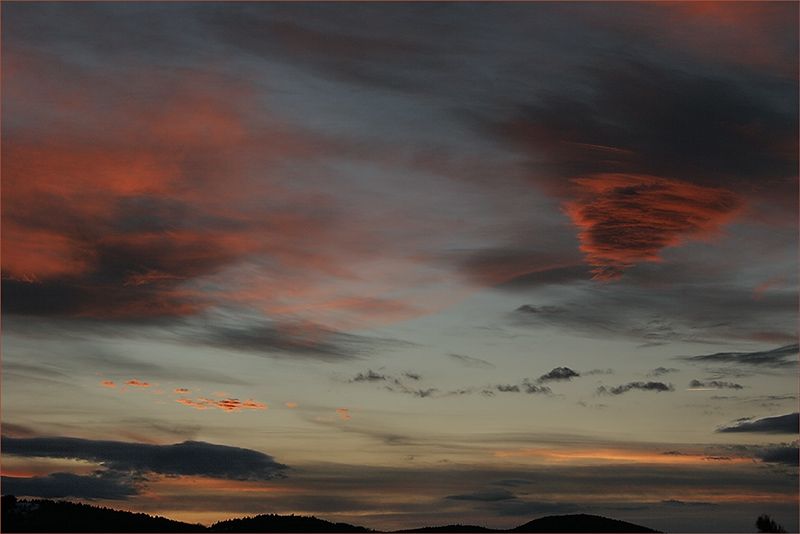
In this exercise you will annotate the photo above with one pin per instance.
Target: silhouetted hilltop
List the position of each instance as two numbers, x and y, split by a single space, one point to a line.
41 515
283 523
579 523
465 529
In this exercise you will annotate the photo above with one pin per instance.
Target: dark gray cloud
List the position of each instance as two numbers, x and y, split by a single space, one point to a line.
623 310
369 376
783 454
190 458
112 485
491 495
656 112
643 386
780 358
715 384
507 388
530 387
470 361
559 373
781 424
659 371
676 502
315 342
513 482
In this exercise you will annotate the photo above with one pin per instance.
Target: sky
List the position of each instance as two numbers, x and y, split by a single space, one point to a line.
403 264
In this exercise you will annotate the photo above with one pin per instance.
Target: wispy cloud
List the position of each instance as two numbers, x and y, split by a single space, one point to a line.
492 495
677 502
714 384
471 361
780 358
643 386
369 376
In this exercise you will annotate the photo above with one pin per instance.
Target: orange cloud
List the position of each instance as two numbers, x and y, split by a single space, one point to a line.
108 384
617 455
228 405
291 404
625 219
180 390
344 412
137 383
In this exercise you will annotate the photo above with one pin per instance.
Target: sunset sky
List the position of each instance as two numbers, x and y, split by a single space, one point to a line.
403 264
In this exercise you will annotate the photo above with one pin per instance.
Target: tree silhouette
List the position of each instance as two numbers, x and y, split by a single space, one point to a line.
765 523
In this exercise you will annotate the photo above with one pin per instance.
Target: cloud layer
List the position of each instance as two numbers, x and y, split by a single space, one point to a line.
190 458
781 424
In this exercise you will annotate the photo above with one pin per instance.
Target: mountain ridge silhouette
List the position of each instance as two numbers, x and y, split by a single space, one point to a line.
44 515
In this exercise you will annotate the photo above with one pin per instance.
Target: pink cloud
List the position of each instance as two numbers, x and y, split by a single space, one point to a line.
626 219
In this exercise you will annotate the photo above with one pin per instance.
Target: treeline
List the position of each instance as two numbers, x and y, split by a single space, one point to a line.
42 515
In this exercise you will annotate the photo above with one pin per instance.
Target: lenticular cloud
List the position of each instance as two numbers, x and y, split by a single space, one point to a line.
625 219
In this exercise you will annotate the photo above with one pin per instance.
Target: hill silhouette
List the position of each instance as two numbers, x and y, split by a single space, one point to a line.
283 523
579 523
42 515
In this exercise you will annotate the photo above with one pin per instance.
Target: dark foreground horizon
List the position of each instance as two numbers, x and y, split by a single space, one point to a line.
44 515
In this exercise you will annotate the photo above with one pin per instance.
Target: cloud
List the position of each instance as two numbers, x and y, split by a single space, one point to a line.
507 388
559 373
781 424
511 269
676 502
18 431
627 219
533 388
643 386
714 384
636 173
370 376
492 495
112 485
513 482
137 383
660 371
190 458
228 405
780 358
786 455
256 334
108 384
661 314
470 361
